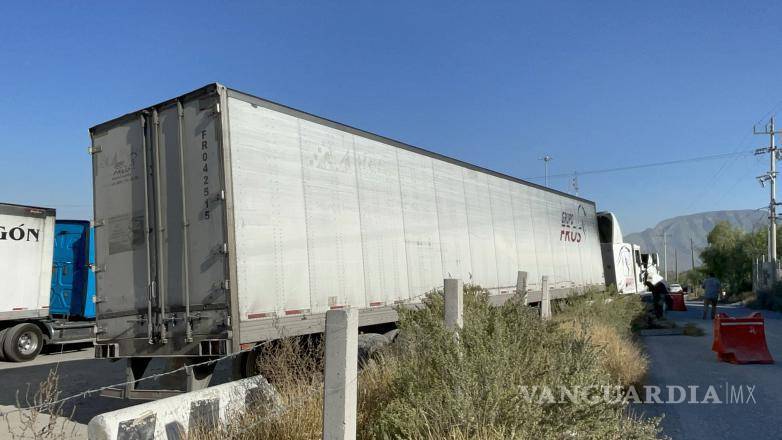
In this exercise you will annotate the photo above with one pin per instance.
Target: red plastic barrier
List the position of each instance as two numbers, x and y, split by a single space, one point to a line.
677 302
741 340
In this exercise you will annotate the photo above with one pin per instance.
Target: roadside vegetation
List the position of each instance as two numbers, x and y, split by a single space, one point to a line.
609 322
429 385
729 254
52 422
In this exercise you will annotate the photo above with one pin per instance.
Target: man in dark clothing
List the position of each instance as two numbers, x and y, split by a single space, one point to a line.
711 294
655 284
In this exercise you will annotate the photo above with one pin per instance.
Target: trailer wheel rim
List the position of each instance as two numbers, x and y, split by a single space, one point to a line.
27 343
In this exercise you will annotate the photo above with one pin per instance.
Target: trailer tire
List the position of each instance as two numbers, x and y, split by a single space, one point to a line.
246 364
2 339
23 342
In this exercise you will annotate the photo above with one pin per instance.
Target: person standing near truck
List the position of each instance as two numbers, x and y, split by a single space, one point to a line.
711 288
656 285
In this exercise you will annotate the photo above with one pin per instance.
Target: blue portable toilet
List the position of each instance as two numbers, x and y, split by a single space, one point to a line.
73 282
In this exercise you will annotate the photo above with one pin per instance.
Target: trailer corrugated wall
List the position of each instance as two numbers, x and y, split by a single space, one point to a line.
223 219
327 217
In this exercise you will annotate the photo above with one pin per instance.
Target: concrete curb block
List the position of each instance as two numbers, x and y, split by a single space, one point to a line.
171 418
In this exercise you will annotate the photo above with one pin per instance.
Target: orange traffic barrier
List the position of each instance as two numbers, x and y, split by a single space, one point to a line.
677 302
741 340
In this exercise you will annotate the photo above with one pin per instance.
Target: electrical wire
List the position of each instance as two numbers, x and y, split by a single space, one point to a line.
649 165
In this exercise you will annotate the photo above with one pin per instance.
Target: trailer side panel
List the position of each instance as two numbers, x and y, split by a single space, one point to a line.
26 247
330 218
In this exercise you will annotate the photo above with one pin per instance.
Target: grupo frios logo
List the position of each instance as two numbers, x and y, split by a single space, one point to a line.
19 233
573 230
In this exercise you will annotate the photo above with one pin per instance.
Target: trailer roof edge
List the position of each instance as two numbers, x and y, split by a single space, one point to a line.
253 99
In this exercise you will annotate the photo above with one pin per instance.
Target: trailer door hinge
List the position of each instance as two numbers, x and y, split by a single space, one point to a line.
220 249
98 223
98 299
95 149
220 195
226 285
97 268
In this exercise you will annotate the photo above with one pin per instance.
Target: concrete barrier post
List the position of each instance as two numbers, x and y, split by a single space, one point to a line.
545 300
180 416
454 303
340 397
521 285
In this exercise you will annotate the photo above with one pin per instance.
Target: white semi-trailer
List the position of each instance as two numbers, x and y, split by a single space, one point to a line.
27 323
223 220
26 247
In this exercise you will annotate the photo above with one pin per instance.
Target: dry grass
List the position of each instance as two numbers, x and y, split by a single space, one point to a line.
295 367
51 420
429 387
620 355
607 322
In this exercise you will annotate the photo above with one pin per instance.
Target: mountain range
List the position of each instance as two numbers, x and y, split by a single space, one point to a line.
679 231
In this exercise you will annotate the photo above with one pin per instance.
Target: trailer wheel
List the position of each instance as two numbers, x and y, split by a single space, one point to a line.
23 342
2 339
245 365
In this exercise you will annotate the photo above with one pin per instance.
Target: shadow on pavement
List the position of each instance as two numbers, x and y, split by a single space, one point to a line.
19 385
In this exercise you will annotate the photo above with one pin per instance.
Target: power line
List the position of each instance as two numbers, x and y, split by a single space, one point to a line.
652 164
709 187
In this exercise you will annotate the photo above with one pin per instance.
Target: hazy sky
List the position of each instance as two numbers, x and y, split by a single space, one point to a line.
593 84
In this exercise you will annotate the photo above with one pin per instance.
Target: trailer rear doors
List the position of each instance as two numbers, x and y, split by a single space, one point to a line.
160 230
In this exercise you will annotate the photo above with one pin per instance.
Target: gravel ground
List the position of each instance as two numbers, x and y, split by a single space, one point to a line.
688 360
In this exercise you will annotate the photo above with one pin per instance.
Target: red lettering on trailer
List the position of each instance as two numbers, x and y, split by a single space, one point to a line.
570 236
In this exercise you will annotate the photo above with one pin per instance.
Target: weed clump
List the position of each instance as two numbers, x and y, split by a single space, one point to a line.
479 384
475 388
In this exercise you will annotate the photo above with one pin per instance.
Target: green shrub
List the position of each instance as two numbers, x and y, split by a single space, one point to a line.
433 385
471 388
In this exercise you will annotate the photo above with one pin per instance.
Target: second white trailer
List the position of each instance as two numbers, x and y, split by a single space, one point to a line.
223 219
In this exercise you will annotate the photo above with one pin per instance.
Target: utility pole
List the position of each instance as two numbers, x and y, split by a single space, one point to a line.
771 177
574 182
676 263
692 254
665 253
546 159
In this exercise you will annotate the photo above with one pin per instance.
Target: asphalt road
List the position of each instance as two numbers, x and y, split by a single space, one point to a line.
77 371
688 361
